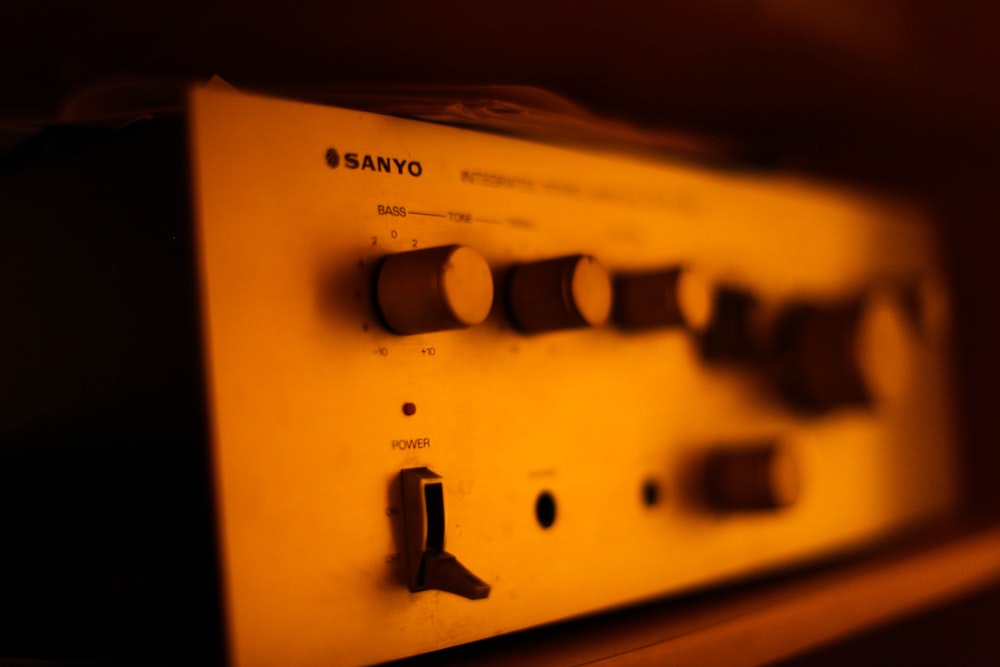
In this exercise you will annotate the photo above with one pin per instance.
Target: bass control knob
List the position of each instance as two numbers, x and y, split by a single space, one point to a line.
752 478
854 354
449 287
563 293
674 297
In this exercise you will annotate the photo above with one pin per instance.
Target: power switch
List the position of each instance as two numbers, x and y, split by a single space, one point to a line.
430 567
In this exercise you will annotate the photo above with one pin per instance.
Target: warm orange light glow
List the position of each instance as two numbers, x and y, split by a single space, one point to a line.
310 438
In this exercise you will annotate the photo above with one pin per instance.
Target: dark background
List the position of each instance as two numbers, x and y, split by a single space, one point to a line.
908 85
896 94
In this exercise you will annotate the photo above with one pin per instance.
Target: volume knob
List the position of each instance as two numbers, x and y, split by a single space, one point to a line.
450 287
853 354
563 293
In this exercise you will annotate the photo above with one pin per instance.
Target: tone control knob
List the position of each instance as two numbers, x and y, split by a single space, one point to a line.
752 478
737 330
854 354
674 297
436 289
563 293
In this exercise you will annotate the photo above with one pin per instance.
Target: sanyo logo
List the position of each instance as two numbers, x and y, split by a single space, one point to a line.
378 163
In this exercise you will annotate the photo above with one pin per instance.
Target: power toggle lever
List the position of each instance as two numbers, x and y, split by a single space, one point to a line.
430 566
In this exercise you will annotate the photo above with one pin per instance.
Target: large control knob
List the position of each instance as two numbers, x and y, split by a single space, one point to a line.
675 297
564 293
855 354
751 479
436 289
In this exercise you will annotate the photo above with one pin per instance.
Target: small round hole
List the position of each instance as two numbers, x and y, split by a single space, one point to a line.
650 493
409 409
545 509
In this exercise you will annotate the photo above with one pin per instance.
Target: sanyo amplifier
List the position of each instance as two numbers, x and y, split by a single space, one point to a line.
344 388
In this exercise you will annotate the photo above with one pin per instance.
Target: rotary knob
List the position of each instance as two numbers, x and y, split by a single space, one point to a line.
674 297
450 287
853 354
751 479
563 293
739 330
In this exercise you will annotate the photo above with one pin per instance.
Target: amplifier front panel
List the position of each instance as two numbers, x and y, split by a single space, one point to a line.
600 431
